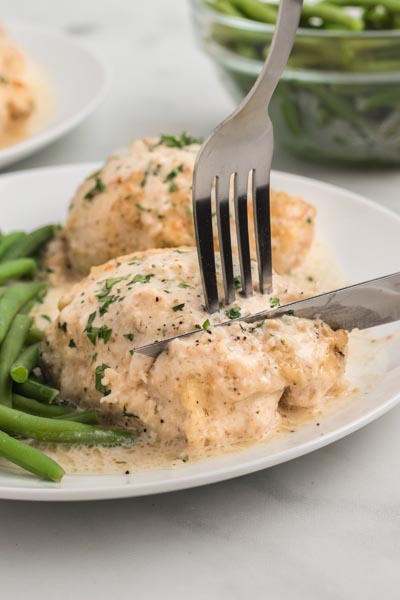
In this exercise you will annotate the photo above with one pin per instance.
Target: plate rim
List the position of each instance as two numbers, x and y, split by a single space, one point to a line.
179 481
26 147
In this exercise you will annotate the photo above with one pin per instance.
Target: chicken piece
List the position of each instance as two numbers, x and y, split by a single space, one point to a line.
16 98
223 385
292 229
142 199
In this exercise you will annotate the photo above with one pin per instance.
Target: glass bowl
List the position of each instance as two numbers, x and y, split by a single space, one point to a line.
339 97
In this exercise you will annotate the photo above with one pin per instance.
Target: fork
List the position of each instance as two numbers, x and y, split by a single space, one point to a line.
233 167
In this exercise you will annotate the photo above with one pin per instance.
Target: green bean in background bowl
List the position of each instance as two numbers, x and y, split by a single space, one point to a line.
339 98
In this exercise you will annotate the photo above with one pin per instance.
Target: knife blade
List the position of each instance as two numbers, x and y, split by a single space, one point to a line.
360 306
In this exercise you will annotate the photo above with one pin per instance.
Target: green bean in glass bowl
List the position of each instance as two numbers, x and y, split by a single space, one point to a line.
339 97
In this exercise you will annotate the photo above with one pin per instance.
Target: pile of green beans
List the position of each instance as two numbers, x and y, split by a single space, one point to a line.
350 53
319 110
325 14
29 408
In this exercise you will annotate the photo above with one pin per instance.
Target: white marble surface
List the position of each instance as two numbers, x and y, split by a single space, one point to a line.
323 527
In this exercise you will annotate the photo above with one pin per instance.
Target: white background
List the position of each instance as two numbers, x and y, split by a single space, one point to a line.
323 527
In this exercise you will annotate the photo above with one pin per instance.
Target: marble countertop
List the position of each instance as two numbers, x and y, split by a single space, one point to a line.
322 527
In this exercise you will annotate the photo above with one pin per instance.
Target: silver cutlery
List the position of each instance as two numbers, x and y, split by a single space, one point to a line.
358 306
233 167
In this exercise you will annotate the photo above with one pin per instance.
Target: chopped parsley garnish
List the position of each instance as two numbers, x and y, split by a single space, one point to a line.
258 326
126 413
108 284
94 333
167 292
3 79
205 325
91 318
309 220
179 141
172 174
184 285
274 302
104 295
141 207
99 374
93 175
135 261
172 188
62 326
139 278
290 313
98 188
178 307
310 278
145 176
179 251
107 301
234 313
129 336
46 317
72 343
238 282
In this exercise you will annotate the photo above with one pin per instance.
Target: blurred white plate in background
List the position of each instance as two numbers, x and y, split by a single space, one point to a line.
365 238
76 79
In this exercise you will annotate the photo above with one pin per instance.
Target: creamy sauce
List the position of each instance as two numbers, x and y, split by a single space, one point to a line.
44 108
364 349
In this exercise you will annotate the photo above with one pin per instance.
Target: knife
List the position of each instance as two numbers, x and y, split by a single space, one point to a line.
358 306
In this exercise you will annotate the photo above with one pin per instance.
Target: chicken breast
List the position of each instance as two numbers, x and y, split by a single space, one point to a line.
142 199
16 98
222 385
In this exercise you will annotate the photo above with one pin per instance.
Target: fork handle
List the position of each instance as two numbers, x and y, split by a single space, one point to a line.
281 46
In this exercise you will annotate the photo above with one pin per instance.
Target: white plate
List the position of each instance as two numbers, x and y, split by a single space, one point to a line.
77 80
366 237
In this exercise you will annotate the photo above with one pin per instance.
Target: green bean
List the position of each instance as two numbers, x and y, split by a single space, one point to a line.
258 11
90 417
29 458
2 290
341 108
34 335
391 5
225 8
25 363
291 116
333 15
36 390
13 300
386 98
15 269
30 244
9 240
34 407
61 431
9 351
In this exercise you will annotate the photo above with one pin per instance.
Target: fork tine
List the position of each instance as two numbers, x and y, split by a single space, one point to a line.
242 234
205 249
262 229
224 236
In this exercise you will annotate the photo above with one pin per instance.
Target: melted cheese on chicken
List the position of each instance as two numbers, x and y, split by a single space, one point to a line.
142 199
224 384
